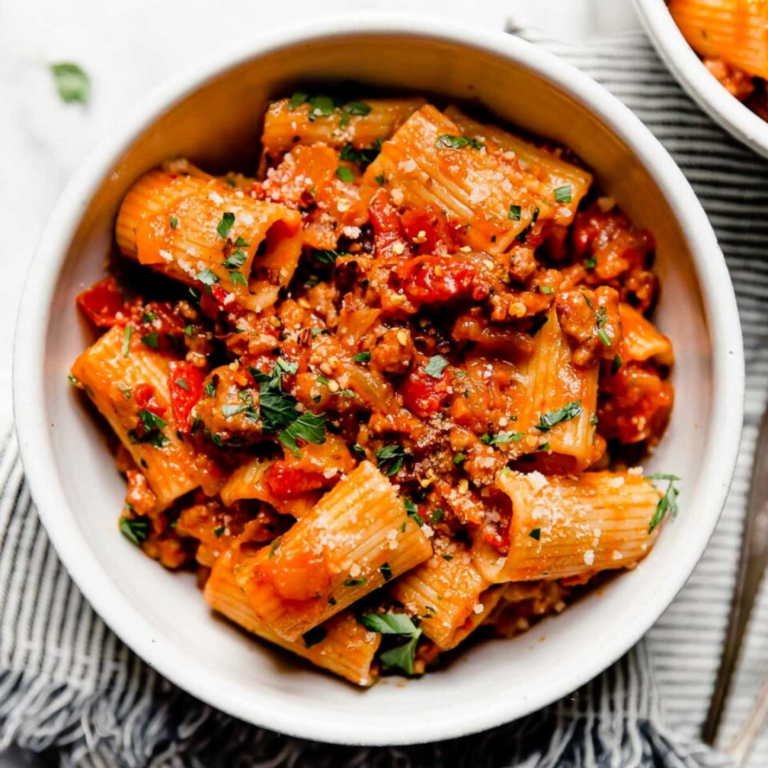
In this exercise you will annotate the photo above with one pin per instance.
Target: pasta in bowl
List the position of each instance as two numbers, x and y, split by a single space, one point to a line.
383 398
717 50
362 462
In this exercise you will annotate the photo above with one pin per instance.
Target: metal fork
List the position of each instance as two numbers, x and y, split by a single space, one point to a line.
754 557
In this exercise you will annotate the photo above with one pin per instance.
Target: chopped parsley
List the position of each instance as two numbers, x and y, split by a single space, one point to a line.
218 532
381 179
207 277
72 83
437 516
297 100
667 503
237 278
320 331
447 558
355 582
127 340
590 264
308 427
314 636
233 410
459 457
413 511
604 337
183 384
357 108
544 447
564 194
321 106
127 391
401 657
502 437
549 420
447 141
390 459
151 340
435 366
615 365
535 534
386 571
362 357
223 227
135 529
514 212
363 156
235 260
546 289
345 174
174 222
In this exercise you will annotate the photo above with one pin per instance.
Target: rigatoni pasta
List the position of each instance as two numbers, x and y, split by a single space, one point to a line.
358 537
342 646
729 35
373 391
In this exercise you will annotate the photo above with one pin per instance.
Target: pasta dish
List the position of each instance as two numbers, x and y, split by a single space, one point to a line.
390 391
729 36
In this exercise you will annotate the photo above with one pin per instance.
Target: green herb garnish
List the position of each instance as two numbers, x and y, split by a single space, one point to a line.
447 141
72 83
549 420
435 366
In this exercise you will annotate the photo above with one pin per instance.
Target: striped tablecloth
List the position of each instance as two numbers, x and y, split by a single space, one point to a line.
67 682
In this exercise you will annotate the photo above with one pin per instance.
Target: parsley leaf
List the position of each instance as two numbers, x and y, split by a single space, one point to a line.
327 257
235 260
615 365
345 174
564 194
667 503
514 212
297 100
535 534
357 108
549 420
174 222
502 437
389 624
223 227
363 156
207 277
355 582
127 340
362 357
72 83
135 529
435 366
402 657
320 106
386 571
308 427
391 455
151 340
458 142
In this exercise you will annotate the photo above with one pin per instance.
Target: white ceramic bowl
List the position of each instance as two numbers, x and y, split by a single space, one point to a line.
740 121
213 116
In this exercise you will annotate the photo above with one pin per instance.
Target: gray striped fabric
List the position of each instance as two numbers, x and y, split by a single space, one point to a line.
732 184
66 681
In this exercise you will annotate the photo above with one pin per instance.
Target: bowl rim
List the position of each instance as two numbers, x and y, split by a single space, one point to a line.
33 428
684 63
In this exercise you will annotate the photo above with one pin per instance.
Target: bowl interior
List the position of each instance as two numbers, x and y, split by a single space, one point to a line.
163 615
